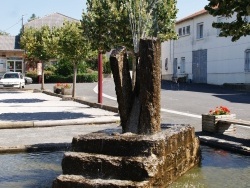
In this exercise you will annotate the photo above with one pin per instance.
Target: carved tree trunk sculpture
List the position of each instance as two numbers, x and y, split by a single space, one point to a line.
139 107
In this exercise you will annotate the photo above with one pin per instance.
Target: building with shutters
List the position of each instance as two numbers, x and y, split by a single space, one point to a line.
201 56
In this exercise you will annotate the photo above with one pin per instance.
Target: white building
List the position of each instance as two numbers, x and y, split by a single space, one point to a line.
204 57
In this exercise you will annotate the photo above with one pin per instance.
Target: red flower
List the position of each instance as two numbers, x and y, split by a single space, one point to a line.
222 110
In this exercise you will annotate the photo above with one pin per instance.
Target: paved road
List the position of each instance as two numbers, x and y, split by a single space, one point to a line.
181 103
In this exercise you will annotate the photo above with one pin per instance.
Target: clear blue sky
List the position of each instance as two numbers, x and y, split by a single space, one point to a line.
12 10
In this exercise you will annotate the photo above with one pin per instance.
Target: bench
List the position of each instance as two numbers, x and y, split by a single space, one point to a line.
235 121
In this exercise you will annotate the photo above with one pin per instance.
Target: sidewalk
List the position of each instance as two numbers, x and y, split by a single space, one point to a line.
29 121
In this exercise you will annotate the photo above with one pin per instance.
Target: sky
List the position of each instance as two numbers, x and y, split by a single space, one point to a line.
13 11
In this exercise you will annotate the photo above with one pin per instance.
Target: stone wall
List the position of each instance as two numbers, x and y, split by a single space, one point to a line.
112 159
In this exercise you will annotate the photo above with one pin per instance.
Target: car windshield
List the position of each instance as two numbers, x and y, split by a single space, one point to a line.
11 75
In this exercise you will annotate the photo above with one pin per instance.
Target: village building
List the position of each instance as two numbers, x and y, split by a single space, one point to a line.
11 54
201 56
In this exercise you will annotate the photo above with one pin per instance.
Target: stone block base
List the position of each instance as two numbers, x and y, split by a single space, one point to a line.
112 159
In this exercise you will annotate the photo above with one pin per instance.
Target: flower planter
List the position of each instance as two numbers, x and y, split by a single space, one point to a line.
57 89
210 123
66 91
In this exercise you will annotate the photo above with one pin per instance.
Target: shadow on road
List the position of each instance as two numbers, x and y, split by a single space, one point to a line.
218 91
42 116
21 101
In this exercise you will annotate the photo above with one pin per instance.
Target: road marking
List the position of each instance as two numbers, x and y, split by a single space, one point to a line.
162 109
104 95
181 113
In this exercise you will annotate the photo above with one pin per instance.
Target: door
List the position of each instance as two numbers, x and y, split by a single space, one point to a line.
199 66
10 66
18 67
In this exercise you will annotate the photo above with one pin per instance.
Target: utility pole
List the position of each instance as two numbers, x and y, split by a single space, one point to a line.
22 24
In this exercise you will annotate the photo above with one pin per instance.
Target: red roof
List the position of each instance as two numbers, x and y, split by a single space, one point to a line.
201 12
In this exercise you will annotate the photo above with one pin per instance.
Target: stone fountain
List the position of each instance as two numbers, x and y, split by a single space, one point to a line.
142 154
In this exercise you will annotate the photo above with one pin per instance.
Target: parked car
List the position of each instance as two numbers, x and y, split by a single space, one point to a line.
28 80
13 79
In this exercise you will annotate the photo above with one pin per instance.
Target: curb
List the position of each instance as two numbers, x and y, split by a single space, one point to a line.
36 124
219 143
36 148
91 104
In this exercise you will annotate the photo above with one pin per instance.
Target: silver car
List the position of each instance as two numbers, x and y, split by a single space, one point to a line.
28 80
13 79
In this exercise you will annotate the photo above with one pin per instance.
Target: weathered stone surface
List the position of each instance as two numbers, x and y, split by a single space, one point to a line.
110 167
139 107
123 83
74 181
118 145
162 157
150 86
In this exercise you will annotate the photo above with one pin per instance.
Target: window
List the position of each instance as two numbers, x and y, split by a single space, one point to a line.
247 60
188 30
199 30
184 30
182 69
166 64
180 32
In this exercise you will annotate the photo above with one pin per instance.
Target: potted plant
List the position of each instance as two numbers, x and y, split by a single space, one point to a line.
66 89
211 121
57 88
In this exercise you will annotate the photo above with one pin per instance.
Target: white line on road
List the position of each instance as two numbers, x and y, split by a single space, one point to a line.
104 95
162 109
181 113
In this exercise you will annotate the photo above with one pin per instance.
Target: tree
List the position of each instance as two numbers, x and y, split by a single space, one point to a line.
151 18
33 17
111 23
73 47
40 44
227 8
104 25
4 33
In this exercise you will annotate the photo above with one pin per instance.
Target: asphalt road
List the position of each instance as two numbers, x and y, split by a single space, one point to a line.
189 100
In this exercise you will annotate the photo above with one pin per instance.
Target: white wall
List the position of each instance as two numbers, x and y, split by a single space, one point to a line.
225 59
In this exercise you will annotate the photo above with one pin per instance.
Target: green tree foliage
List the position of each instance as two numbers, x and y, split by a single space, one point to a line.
110 23
151 18
64 67
4 33
40 44
227 8
33 17
73 47
104 24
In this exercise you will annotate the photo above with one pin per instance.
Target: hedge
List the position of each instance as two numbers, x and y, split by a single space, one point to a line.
81 78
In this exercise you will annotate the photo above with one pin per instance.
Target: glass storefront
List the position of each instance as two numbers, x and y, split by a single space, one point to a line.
11 65
14 65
